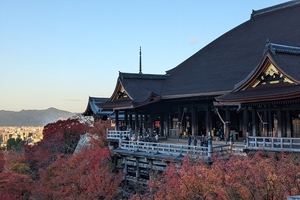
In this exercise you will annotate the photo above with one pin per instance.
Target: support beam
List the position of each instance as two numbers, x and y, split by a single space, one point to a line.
194 120
254 121
138 170
151 123
280 121
130 121
180 116
288 123
283 122
117 120
126 119
245 121
265 124
208 118
270 123
167 124
150 169
162 116
136 119
227 123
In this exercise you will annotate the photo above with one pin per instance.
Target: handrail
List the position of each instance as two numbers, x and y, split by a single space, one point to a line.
159 148
170 149
112 134
273 143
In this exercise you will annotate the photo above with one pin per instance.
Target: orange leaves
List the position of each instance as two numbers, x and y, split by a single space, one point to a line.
85 175
2 161
14 186
263 175
55 172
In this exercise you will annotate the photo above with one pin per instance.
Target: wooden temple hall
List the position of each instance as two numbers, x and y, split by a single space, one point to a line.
247 81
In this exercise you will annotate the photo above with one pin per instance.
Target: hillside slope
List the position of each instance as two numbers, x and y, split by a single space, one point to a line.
32 117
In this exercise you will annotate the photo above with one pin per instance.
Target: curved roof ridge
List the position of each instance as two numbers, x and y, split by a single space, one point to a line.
257 13
142 76
280 48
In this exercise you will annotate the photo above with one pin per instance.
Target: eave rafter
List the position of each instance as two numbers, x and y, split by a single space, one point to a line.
295 95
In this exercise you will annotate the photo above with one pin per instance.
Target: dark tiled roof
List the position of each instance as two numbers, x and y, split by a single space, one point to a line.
140 89
280 48
124 103
93 109
287 60
231 57
141 86
142 76
290 64
281 91
264 11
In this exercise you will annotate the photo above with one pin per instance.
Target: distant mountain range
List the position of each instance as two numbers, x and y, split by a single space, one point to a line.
32 117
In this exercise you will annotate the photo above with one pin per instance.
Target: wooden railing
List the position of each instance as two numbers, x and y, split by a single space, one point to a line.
152 147
273 144
116 135
167 148
173 149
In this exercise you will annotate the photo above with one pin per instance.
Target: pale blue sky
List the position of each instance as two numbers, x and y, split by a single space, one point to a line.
58 53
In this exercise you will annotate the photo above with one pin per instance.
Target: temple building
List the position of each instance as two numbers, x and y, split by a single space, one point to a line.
247 80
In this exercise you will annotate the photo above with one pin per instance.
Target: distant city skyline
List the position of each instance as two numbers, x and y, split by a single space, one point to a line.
58 53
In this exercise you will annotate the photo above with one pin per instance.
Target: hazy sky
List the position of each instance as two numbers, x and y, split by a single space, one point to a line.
58 53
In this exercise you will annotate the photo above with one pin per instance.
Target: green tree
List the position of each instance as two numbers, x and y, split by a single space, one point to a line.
16 144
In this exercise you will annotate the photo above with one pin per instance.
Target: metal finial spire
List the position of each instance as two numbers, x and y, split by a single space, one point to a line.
140 60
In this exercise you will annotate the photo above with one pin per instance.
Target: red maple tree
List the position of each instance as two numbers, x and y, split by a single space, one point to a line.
84 175
264 175
60 137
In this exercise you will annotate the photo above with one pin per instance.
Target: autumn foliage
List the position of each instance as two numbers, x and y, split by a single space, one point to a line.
264 175
58 138
51 169
87 175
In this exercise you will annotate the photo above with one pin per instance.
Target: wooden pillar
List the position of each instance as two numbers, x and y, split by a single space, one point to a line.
168 125
151 123
162 124
260 124
126 118
254 122
136 119
270 123
265 124
279 125
288 124
283 123
125 172
115 162
171 120
150 169
208 119
130 121
245 121
117 120
180 113
137 173
141 122
194 120
227 122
